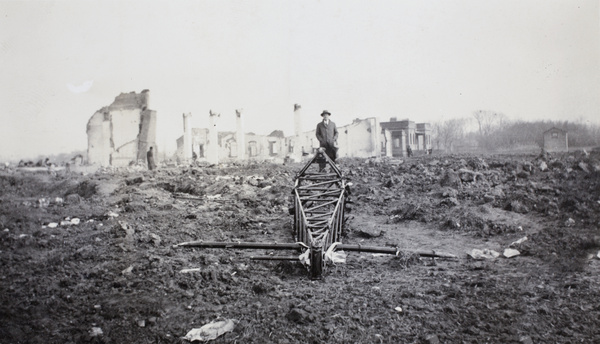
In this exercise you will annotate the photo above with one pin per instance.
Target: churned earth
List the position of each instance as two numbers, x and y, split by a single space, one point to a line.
92 258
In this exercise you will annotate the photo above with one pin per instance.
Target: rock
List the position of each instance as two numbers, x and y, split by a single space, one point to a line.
432 339
478 164
483 254
135 180
298 315
497 192
122 228
510 252
543 166
518 242
210 331
584 167
570 222
451 179
72 199
449 192
155 239
525 340
527 166
517 207
453 223
96 331
450 201
468 175
488 198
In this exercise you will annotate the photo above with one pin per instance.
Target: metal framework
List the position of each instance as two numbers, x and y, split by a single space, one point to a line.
319 206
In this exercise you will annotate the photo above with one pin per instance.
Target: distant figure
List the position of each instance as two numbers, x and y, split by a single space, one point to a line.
327 134
150 158
409 151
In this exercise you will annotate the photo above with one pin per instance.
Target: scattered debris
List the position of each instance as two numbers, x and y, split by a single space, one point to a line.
518 242
305 258
483 254
335 256
510 252
96 331
111 214
432 339
210 331
299 316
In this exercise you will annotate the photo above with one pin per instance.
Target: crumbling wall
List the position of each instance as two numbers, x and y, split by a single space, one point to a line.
147 135
99 144
359 139
122 132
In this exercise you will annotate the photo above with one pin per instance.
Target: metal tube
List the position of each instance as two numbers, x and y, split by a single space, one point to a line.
321 205
242 245
304 187
391 250
274 258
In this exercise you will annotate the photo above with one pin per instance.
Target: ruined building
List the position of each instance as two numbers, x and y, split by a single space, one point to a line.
121 133
362 138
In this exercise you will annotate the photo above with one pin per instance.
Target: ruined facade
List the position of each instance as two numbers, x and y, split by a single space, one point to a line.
122 133
362 138
400 135
556 140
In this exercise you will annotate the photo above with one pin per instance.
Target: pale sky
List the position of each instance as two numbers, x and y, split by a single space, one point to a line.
61 61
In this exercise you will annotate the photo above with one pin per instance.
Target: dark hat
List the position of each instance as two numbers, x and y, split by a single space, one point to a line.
325 112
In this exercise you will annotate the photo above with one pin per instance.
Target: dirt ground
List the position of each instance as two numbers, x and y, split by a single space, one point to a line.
90 258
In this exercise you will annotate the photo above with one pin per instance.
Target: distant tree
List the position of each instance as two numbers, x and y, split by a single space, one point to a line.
488 121
510 135
446 133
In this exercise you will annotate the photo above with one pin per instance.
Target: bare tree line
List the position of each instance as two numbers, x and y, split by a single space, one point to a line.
494 131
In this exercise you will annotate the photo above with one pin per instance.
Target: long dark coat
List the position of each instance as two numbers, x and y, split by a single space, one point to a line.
327 136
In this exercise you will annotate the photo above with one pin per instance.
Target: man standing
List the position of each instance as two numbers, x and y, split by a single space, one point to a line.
150 158
327 135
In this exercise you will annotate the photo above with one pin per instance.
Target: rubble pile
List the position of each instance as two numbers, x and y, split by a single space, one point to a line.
93 257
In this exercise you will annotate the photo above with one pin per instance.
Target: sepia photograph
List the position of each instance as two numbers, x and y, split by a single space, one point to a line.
286 171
